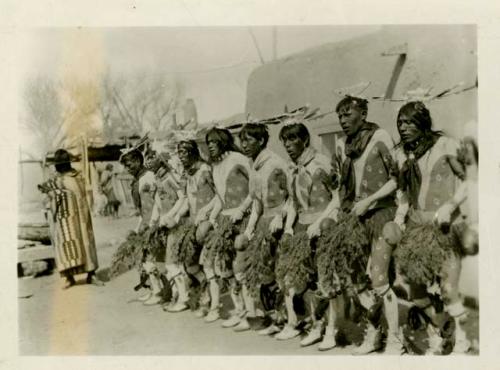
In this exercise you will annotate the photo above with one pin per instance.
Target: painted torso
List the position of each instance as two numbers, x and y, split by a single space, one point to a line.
438 179
167 192
268 180
372 169
312 182
231 178
199 188
146 187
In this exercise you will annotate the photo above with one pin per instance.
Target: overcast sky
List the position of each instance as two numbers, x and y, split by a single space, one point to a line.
213 63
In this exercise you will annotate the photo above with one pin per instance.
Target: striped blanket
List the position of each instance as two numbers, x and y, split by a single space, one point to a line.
71 226
69 249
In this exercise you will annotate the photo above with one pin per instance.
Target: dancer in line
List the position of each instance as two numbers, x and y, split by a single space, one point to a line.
143 190
429 253
219 258
165 216
312 196
191 224
269 190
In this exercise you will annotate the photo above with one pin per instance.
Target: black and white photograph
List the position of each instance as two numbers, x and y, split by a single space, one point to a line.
307 190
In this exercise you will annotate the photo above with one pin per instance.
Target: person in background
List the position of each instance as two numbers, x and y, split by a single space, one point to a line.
71 222
100 203
112 202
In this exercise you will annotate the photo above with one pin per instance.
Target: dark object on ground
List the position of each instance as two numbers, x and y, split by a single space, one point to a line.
143 282
195 292
258 323
299 305
166 291
34 231
112 208
271 296
35 268
103 274
321 308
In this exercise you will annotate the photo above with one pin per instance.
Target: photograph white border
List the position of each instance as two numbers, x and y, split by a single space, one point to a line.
16 15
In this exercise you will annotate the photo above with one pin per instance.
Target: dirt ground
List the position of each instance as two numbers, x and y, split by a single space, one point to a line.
90 320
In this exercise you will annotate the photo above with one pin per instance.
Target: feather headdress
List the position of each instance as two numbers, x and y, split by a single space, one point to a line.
301 114
140 147
354 91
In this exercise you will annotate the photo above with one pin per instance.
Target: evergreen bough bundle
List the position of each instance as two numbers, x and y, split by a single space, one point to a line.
158 243
178 232
422 251
188 247
259 259
294 267
342 251
220 243
129 254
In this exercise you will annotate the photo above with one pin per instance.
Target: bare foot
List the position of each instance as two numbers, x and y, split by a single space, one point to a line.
70 281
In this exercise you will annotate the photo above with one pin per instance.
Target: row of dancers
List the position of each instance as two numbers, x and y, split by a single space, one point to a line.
313 231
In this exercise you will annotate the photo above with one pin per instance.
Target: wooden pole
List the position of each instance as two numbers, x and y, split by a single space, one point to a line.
256 45
275 42
86 171
21 169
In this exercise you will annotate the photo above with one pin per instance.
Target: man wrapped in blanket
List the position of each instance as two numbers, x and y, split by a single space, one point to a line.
259 241
312 195
219 258
70 222
429 253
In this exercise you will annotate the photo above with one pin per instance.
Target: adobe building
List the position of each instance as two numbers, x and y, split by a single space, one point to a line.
394 60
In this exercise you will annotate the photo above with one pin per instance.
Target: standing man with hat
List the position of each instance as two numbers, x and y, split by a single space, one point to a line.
71 223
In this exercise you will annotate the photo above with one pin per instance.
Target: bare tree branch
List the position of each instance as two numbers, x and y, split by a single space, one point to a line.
137 103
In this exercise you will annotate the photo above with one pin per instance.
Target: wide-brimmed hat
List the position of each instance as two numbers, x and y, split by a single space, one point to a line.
62 156
130 153
183 135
